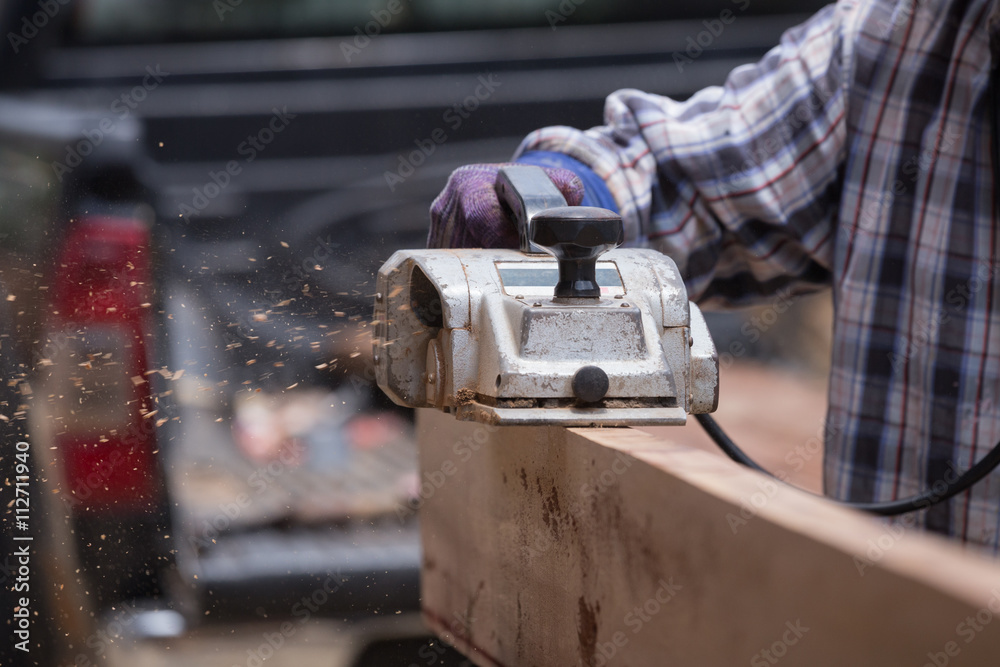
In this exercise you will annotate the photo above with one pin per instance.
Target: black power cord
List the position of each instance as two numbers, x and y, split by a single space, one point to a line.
890 508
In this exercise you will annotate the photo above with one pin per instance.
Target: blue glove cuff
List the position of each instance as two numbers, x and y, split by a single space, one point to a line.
595 190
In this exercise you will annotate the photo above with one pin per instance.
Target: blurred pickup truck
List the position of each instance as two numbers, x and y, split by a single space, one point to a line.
194 198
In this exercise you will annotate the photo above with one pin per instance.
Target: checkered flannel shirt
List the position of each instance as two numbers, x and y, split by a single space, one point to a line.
856 154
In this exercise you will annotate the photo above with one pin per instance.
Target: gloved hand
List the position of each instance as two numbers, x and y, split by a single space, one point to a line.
468 214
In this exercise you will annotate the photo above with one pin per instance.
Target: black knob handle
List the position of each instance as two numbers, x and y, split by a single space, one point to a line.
590 384
577 236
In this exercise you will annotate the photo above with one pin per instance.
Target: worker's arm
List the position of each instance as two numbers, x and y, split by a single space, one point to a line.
739 184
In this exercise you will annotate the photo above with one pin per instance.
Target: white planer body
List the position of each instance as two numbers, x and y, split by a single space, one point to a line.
484 335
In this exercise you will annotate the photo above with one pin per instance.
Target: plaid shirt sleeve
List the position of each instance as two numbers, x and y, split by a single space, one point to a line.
857 153
738 183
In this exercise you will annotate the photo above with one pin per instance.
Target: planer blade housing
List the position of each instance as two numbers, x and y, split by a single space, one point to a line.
567 331
479 333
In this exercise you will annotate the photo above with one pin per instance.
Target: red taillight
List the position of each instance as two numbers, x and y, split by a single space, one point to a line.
99 333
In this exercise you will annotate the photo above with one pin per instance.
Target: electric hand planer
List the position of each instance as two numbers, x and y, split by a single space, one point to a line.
568 330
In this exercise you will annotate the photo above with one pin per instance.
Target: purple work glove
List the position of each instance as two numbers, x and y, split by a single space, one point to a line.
468 214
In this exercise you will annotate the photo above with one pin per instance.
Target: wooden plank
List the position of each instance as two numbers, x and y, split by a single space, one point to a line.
553 546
